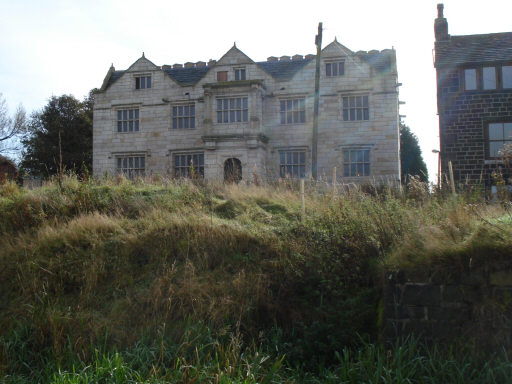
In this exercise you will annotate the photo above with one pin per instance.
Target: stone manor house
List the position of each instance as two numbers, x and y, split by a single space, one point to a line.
233 118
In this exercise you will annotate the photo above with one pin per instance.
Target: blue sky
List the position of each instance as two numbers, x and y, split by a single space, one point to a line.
59 47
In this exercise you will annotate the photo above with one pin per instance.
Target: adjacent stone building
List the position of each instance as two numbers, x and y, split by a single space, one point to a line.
233 118
474 102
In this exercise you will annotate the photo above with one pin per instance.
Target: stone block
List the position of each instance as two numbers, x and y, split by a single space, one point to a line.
449 314
462 293
501 278
422 294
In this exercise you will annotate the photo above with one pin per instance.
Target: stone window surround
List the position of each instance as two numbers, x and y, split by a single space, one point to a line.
356 147
187 152
231 96
139 75
489 159
292 98
127 154
361 93
335 60
126 107
183 104
241 74
479 77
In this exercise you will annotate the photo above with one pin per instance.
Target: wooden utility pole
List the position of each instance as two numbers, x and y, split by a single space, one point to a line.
314 148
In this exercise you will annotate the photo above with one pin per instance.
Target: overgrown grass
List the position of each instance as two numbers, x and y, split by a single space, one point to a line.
134 260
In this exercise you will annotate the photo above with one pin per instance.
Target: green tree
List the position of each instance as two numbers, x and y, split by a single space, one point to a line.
62 128
411 161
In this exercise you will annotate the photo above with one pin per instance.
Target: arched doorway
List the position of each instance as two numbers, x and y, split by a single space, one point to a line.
232 170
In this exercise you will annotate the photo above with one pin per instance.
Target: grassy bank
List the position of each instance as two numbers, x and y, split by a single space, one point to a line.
211 282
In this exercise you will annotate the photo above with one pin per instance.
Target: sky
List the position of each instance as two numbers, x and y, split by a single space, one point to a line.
57 47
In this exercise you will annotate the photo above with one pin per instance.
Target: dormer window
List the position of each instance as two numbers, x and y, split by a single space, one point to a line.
142 82
222 76
240 74
335 68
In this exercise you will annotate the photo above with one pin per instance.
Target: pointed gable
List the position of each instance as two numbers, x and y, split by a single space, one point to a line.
234 57
142 64
335 49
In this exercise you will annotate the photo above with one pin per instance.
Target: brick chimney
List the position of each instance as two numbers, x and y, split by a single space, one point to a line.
441 25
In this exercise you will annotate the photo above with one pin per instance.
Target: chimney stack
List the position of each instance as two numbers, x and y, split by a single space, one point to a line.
441 25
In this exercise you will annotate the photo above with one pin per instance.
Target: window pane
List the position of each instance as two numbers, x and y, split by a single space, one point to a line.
506 72
496 131
335 69
136 113
130 114
143 82
243 74
283 106
119 126
359 114
295 157
237 74
345 102
489 78
149 82
346 157
125 126
346 170
366 156
328 69
494 148
131 126
507 134
232 116
246 113
366 114
470 79
192 110
119 115
192 122
186 110
345 114
136 125
137 82
283 118
232 103
365 101
238 115
125 114
245 103
302 116
342 69
219 105
303 157
367 169
185 122
226 116
289 117
125 163
180 122
119 165
353 169
142 162
239 103
219 117
137 162
352 114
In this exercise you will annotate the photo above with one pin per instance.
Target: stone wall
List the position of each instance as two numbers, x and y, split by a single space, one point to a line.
474 306
463 119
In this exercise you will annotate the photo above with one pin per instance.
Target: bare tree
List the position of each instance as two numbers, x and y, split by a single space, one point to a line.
11 127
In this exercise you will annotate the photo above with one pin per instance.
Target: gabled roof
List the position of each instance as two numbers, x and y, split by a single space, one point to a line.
459 50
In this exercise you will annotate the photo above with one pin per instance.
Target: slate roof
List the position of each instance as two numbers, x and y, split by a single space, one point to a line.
113 78
283 70
382 61
489 47
280 70
187 76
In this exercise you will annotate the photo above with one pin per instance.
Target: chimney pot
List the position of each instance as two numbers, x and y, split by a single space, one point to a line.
440 8
272 58
441 25
212 62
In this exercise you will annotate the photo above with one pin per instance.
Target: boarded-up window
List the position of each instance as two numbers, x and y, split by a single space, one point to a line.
222 76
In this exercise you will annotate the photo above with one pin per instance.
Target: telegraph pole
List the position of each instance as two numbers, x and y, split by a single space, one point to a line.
314 149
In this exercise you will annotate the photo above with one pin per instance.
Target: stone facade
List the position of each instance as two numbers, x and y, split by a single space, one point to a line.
253 118
474 99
